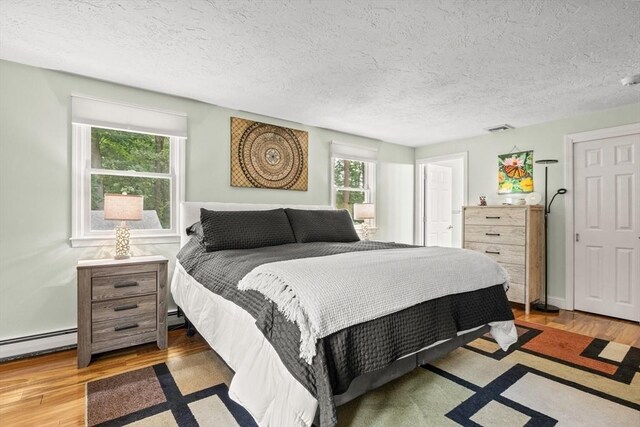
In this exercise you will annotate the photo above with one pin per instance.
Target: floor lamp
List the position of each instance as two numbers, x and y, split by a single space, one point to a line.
544 307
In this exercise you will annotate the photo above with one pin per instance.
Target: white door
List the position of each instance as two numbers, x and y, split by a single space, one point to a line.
607 226
438 191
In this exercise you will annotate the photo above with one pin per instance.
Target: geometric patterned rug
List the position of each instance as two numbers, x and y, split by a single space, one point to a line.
187 391
550 377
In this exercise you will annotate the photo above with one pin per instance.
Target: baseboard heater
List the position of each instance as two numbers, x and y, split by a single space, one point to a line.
50 342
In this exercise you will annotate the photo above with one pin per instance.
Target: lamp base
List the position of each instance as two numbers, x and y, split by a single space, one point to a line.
365 230
545 308
122 242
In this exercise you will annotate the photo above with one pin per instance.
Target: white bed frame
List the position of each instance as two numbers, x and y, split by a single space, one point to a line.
262 384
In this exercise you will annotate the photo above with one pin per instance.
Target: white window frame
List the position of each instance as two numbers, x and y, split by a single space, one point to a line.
82 235
354 153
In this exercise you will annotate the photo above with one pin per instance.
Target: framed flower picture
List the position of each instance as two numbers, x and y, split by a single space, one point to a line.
515 172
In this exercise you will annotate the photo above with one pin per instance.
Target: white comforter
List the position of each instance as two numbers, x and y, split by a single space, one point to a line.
323 295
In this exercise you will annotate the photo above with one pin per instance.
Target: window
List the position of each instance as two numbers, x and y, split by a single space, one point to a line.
133 155
353 176
351 183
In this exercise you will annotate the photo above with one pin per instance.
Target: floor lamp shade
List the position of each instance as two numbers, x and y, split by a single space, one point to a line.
123 207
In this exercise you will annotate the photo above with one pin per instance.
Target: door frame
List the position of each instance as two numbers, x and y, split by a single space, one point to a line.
420 167
569 141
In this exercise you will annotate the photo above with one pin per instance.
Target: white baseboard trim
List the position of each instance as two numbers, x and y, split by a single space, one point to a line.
39 345
558 302
54 341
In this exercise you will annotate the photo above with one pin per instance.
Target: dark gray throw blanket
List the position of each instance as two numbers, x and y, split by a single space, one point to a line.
353 351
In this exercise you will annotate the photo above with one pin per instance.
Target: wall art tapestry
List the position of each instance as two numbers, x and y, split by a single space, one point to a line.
268 156
515 172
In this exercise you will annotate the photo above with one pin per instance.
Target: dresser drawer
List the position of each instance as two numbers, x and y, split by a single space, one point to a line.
124 307
508 234
516 293
122 286
510 254
495 216
515 271
121 328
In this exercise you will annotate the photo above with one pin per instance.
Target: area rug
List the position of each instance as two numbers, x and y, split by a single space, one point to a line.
550 377
186 391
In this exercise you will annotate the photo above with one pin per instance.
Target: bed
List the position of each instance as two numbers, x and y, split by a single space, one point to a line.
273 379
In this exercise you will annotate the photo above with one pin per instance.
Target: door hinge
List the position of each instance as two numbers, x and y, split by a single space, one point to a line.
577 237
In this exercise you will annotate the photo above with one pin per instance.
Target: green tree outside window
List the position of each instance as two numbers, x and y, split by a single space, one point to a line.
119 150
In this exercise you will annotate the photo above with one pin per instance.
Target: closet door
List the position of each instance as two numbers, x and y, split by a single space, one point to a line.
607 226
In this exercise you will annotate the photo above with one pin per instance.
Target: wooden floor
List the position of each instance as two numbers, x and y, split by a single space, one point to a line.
49 390
606 328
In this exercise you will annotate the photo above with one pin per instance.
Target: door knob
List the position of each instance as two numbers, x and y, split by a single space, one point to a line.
450 227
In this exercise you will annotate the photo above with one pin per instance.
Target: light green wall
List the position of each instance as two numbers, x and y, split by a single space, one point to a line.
37 264
547 141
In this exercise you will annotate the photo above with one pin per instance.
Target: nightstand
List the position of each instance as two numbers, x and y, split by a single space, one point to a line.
121 303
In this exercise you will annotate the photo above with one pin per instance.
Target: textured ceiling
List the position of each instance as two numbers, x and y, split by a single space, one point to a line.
410 72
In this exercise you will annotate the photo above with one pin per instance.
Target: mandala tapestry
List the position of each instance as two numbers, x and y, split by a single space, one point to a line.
268 156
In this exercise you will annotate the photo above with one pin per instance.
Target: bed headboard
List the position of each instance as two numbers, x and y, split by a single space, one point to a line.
190 212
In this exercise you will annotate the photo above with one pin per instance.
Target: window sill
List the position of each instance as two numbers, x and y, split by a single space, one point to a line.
83 242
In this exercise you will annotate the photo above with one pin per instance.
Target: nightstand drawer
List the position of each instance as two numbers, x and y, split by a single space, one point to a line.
122 286
508 234
495 216
126 327
125 307
510 254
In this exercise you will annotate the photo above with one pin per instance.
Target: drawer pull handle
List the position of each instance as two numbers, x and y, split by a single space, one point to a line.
492 217
125 327
125 285
125 307
492 252
492 234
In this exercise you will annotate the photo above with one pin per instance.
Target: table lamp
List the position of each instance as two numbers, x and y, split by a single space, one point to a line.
364 212
122 207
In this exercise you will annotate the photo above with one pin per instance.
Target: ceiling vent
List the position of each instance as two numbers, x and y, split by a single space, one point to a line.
499 128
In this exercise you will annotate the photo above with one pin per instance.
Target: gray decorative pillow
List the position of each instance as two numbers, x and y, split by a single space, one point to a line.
245 229
322 225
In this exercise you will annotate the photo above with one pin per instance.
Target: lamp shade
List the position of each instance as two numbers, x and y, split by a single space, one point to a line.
364 211
123 207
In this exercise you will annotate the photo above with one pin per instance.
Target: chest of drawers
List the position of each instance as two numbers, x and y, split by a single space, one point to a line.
121 303
514 237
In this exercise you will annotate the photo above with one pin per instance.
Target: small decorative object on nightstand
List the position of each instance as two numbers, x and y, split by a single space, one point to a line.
121 303
364 212
123 207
